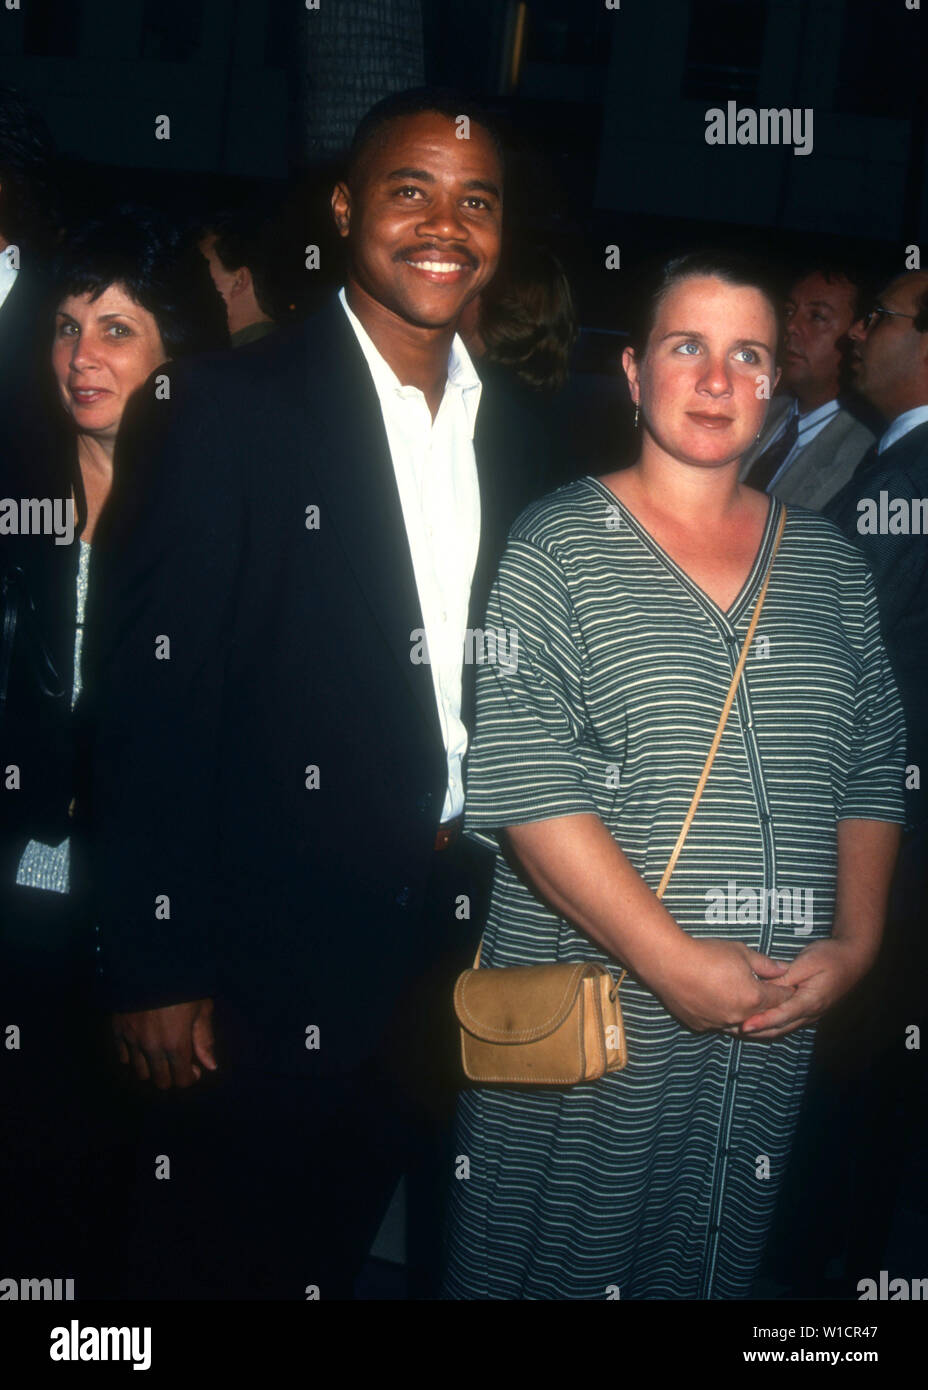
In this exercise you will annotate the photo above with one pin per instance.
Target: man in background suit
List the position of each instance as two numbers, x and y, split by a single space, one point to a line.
234 245
276 773
26 460
884 510
811 442
863 1121
26 215
890 365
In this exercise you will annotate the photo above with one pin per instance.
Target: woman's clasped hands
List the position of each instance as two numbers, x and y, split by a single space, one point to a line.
723 986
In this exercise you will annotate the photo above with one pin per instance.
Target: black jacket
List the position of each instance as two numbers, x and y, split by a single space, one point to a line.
37 583
289 649
899 562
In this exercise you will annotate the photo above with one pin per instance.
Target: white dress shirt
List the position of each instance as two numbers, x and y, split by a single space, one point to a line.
7 276
908 420
436 476
810 424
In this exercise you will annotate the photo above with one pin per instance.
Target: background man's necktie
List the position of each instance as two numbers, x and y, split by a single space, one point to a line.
766 464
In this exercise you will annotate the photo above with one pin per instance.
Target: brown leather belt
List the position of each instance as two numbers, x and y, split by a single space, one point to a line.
448 832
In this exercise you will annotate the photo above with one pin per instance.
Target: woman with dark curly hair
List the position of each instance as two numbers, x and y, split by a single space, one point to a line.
129 296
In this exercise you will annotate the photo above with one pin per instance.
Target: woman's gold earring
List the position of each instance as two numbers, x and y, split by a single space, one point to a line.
637 408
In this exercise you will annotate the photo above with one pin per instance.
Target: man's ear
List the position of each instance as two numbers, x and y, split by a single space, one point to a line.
241 283
341 208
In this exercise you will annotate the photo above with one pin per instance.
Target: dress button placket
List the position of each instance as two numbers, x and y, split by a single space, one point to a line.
733 1069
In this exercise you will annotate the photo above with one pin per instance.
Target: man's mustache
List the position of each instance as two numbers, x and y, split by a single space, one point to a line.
461 252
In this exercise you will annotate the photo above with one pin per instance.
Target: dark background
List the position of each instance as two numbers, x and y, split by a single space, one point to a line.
605 114
604 109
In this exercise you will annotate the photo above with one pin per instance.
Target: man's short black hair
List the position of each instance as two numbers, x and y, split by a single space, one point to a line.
416 101
835 272
27 161
158 267
241 241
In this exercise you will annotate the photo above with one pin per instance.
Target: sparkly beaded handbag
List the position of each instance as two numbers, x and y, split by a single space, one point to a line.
561 1024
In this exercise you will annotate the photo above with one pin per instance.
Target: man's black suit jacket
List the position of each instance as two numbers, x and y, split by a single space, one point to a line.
37 580
220 868
25 339
900 570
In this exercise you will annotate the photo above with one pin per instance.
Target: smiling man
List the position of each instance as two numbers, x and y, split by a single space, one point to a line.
812 442
277 779
421 206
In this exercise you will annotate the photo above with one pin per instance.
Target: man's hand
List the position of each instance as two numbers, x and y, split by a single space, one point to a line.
169 1046
822 974
713 984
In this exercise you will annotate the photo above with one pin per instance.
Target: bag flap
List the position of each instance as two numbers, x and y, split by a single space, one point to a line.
520 1004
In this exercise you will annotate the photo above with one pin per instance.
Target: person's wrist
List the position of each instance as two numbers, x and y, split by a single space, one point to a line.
860 954
667 963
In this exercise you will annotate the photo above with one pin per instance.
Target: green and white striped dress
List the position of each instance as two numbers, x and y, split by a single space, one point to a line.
659 1181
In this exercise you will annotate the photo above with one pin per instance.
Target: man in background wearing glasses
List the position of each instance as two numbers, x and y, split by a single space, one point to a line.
864 1084
889 360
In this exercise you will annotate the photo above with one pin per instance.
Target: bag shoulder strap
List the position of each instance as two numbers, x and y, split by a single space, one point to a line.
723 717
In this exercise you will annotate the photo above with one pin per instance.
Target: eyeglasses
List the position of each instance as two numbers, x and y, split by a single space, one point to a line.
879 312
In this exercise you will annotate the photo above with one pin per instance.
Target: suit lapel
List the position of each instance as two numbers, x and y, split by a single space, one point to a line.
898 455
489 511
16 310
779 406
353 469
492 457
816 463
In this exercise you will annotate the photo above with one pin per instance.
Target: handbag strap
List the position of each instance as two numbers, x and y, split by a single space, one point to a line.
723 717
720 729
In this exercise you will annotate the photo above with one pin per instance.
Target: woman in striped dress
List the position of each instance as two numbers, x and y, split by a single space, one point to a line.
630 596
